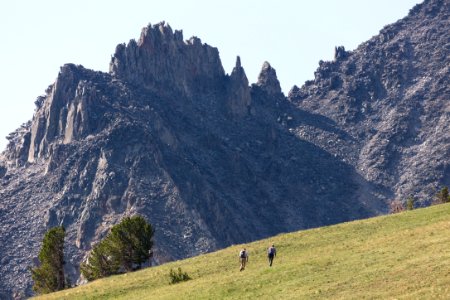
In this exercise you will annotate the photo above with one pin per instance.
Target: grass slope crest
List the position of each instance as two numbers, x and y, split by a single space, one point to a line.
401 256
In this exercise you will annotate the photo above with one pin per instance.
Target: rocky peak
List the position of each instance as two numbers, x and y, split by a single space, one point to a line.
161 58
430 8
390 93
238 71
340 53
268 81
239 98
294 91
65 113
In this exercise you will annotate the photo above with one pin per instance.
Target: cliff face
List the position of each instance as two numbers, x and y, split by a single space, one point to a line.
161 58
391 96
211 161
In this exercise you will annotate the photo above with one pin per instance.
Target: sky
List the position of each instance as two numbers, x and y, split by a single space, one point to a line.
38 37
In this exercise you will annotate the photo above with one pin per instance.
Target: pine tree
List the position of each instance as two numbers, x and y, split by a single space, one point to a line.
49 275
410 203
128 244
442 196
100 263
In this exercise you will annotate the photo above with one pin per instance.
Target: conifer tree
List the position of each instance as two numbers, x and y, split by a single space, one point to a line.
49 275
442 196
410 202
127 245
130 241
100 263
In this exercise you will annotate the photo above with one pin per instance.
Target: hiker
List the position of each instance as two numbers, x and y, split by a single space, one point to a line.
271 253
243 258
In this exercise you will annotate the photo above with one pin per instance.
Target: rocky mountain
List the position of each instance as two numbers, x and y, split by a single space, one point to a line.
391 95
210 160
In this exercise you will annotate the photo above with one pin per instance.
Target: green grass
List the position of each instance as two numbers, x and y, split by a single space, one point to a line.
402 256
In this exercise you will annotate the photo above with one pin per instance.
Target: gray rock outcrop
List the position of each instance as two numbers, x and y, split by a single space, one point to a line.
239 98
391 96
161 58
268 81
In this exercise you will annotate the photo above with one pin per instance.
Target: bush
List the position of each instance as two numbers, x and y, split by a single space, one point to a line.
396 206
179 276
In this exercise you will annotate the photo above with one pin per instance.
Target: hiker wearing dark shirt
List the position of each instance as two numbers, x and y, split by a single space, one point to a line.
271 253
243 259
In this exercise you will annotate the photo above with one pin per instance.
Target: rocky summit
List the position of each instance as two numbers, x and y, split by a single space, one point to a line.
212 161
391 96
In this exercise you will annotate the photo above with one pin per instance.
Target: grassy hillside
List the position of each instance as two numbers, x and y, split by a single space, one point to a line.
403 256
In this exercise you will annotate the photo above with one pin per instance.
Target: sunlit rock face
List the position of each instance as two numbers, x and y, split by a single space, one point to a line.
391 96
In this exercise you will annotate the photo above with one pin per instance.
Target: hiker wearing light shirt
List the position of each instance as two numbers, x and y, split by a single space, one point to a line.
243 259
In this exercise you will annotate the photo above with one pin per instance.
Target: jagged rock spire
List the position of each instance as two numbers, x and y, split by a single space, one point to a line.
340 53
238 62
239 91
161 57
268 80
238 70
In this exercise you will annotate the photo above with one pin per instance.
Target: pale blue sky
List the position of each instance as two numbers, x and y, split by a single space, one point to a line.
39 36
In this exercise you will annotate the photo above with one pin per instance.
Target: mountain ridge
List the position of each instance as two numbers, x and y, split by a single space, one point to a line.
378 99
209 159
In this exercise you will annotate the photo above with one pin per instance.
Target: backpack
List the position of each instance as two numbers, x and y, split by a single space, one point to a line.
242 254
271 251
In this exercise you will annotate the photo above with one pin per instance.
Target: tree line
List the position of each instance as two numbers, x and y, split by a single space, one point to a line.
126 247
